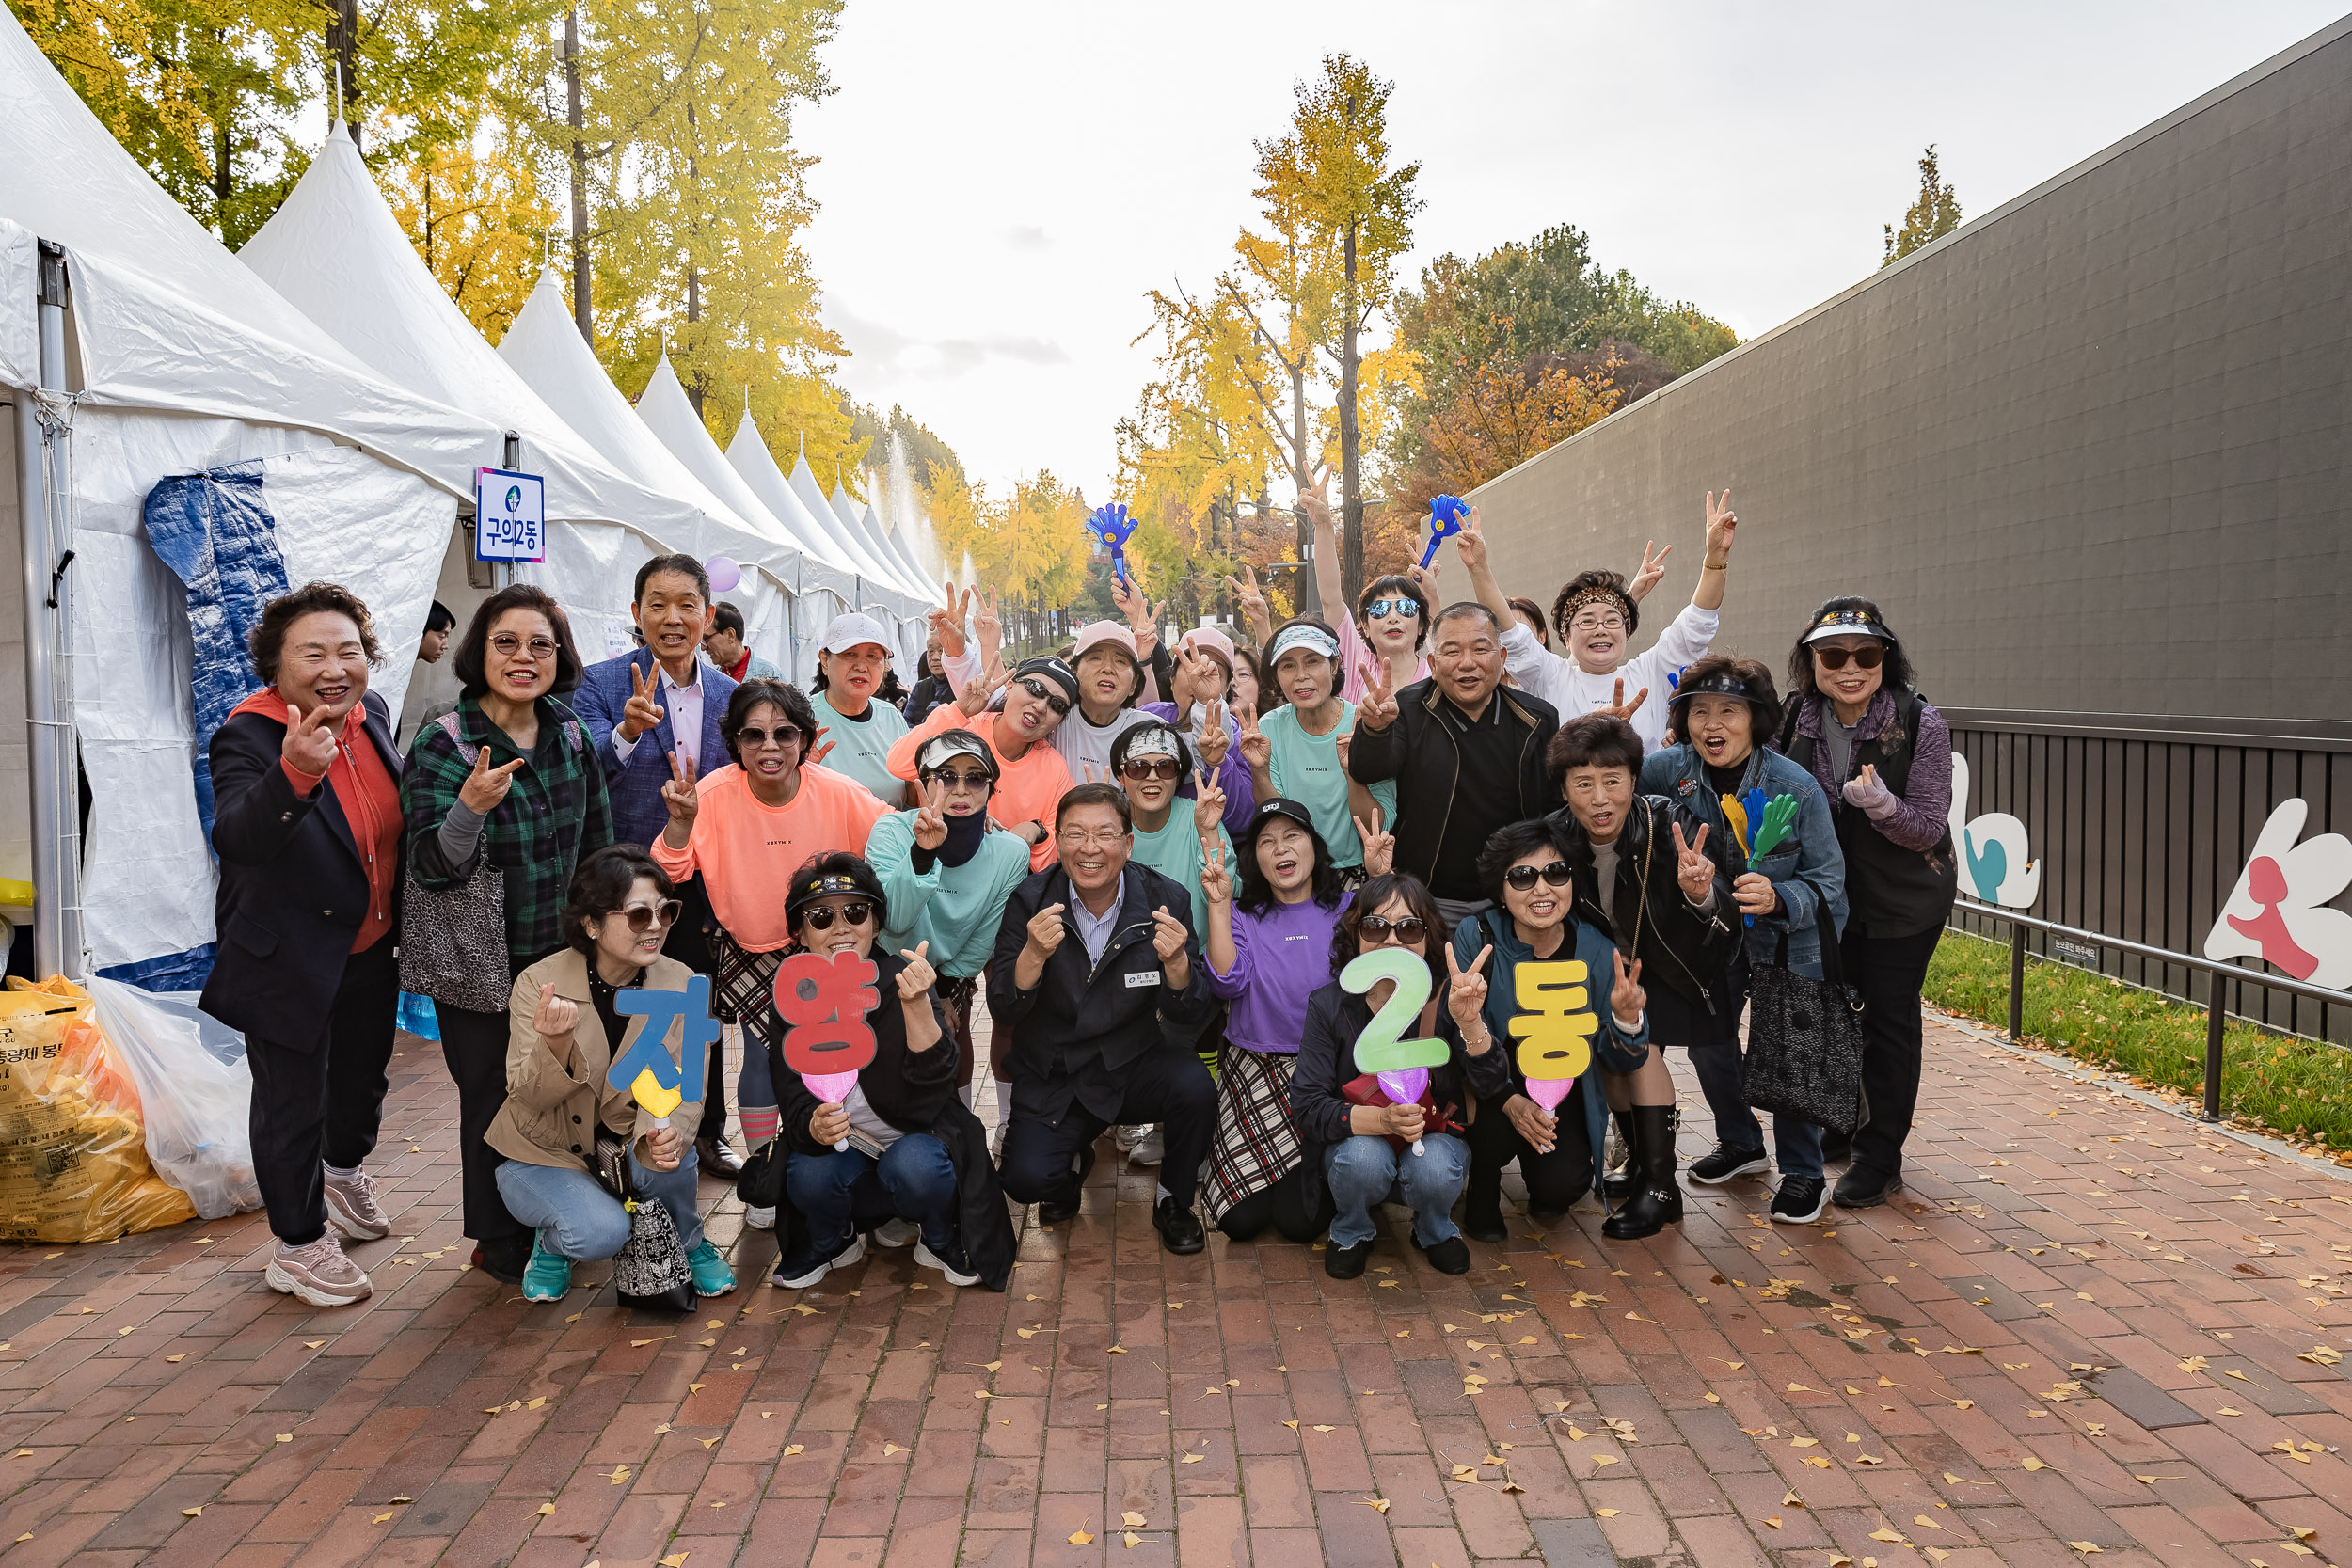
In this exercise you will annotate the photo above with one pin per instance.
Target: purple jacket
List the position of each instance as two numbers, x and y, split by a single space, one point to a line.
1232 775
1922 812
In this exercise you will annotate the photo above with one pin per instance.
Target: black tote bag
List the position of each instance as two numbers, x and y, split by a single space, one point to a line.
1804 1037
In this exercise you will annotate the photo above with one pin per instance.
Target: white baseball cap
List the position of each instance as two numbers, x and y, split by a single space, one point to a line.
853 630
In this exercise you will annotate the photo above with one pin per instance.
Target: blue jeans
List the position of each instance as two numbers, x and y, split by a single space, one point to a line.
1363 1171
914 1180
1796 1141
578 1219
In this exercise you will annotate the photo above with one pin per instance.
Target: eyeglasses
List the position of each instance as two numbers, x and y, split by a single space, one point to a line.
1597 622
1520 878
644 918
782 735
508 645
1079 838
1035 687
1378 608
1143 769
1835 658
950 778
820 917
1379 930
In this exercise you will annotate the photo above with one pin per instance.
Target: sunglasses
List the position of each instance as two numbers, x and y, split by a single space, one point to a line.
1142 768
644 918
820 917
1378 929
950 778
1835 658
1520 878
782 735
1378 608
1035 687
508 645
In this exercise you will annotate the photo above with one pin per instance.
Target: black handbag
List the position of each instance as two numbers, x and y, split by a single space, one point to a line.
1804 1037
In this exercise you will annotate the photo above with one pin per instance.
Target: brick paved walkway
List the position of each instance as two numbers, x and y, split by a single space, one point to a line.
2084 1327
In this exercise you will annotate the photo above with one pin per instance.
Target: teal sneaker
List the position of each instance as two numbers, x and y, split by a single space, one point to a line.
546 1276
712 1278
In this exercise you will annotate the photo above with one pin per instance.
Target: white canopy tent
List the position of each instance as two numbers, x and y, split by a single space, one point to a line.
334 248
165 356
545 348
859 520
811 496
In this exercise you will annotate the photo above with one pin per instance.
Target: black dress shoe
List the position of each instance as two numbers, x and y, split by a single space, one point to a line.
1863 1188
1179 1227
1053 1213
1347 1262
717 1157
1450 1255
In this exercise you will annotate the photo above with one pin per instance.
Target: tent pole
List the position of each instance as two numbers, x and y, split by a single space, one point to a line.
46 526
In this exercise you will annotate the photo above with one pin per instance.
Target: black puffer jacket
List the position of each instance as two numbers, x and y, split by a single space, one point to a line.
1686 949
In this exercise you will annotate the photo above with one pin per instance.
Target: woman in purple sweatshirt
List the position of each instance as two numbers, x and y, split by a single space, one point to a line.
1885 757
1267 951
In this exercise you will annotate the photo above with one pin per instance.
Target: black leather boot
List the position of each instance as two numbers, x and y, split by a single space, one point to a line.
1659 1202
1482 1205
1619 1185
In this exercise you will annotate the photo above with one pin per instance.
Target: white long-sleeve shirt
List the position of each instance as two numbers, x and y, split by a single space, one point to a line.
1574 694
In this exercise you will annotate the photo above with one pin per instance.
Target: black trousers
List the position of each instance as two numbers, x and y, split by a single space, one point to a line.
474 1046
1554 1181
1889 971
323 1101
1284 1206
1168 1085
689 944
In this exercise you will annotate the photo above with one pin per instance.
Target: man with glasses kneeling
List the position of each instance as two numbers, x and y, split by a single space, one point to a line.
1091 955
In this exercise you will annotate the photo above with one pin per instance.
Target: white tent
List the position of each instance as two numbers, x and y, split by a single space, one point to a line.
812 495
858 520
545 348
171 357
334 248
899 546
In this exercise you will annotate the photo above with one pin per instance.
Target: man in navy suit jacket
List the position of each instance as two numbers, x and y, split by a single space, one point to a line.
643 709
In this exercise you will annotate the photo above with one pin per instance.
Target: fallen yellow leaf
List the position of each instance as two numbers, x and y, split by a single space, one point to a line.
1080 1538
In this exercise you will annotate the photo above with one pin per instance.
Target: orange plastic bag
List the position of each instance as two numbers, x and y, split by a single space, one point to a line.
74 1163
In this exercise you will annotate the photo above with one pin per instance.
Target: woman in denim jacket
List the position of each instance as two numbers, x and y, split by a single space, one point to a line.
1725 710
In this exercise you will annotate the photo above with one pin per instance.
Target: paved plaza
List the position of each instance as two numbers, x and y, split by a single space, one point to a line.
2089 1326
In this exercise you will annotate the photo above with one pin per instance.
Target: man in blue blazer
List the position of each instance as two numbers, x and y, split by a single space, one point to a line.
664 700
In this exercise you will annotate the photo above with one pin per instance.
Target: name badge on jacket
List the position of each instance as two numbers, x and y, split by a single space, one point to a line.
1146 978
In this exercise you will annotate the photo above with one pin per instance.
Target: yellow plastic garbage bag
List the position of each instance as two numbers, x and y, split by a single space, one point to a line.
73 1161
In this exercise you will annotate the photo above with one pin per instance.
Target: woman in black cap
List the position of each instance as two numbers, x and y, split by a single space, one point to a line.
1266 952
915 1150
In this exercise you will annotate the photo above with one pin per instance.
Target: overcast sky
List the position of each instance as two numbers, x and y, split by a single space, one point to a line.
1000 185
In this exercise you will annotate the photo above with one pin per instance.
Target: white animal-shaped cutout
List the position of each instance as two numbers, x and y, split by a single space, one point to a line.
1993 864
2278 910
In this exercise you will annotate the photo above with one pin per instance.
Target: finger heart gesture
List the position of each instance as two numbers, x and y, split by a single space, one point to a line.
555 1017
310 746
917 976
1167 934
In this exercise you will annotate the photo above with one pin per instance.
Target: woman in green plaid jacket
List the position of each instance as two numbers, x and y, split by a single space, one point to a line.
510 775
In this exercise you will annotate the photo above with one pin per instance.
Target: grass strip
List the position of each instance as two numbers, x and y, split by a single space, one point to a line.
2295 1090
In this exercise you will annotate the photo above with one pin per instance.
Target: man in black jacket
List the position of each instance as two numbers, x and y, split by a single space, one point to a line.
1091 955
307 826
1466 754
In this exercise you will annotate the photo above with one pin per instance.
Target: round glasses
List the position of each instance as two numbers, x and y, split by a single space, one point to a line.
507 644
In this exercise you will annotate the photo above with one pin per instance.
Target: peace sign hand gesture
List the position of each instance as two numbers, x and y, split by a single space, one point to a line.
1376 708
1627 1000
485 786
817 753
1693 869
308 746
1470 545
1379 846
1247 594
917 976
976 695
1208 803
679 795
1466 991
1217 882
986 624
1257 747
930 824
1315 500
1722 523
1623 709
641 712
1653 568
1214 742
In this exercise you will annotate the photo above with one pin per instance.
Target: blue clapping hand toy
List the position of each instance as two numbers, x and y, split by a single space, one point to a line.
1446 516
1111 524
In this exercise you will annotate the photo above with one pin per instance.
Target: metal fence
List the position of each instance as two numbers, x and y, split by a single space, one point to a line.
2142 824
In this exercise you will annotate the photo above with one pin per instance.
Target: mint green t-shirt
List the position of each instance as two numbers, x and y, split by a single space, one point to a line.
1174 853
956 909
860 745
1306 768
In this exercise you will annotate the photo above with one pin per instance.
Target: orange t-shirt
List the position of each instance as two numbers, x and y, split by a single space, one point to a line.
1027 789
746 853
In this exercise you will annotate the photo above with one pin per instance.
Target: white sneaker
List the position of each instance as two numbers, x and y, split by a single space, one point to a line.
931 1259
854 1251
318 1274
1150 1150
353 1208
760 1218
1125 1138
897 1233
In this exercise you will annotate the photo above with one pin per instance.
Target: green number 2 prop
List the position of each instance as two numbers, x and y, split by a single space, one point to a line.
1381 1046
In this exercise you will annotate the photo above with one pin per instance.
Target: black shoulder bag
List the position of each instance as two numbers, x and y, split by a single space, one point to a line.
1804 1037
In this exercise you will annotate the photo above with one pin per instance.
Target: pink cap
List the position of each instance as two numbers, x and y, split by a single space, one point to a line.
1208 639
1095 633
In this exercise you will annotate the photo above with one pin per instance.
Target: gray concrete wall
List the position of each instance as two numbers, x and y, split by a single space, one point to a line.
2092 453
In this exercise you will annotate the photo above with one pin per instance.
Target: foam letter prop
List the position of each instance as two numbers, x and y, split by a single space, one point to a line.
1554 1028
1401 1065
646 1070
826 1001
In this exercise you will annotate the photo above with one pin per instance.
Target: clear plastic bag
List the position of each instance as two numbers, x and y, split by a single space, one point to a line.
74 1164
192 1077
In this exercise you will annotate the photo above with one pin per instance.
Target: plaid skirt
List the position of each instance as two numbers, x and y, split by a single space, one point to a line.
1256 1144
743 988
